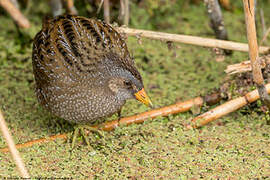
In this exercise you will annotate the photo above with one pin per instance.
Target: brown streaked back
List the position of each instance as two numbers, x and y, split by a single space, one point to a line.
79 47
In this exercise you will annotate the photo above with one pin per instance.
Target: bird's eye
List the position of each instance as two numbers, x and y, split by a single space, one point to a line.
127 83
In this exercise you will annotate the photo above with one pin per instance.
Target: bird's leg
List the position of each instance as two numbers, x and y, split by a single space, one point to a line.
75 134
77 129
119 115
97 131
81 128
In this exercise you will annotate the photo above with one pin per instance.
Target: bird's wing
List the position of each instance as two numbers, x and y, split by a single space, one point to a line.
82 48
48 65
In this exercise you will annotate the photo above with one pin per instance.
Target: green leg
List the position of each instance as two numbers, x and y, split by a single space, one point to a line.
86 139
81 129
75 134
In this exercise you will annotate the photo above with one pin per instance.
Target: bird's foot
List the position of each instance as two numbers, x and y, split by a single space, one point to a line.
84 131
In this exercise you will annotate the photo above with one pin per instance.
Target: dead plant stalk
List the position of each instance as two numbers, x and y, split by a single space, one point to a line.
12 148
15 13
253 50
262 91
139 118
126 16
106 7
226 108
193 40
245 66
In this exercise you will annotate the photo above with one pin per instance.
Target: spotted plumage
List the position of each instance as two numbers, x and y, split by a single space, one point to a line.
82 68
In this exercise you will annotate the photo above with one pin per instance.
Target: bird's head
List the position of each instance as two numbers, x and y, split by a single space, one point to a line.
125 80
129 88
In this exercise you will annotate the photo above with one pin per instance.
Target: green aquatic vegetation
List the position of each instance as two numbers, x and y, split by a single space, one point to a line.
235 145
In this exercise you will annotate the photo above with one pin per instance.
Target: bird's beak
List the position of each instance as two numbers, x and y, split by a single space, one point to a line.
142 96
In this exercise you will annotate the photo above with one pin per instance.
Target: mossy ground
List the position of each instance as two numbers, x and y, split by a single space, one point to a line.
235 145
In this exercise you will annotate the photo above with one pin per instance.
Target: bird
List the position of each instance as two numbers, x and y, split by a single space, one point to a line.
83 70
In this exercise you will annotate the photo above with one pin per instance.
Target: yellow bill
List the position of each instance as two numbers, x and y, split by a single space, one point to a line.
142 96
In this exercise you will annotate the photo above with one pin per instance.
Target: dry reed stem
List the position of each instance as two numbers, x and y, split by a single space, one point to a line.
193 40
106 7
245 66
56 7
164 111
262 22
226 108
252 41
33 142
126 14
69 4
15 2
139 118
100 6
249 8
265 36
15 13
216 21
11 146
226 4
121 11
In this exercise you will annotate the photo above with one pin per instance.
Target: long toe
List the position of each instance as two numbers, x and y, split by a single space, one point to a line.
84 131
79 129
95 130
75 135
